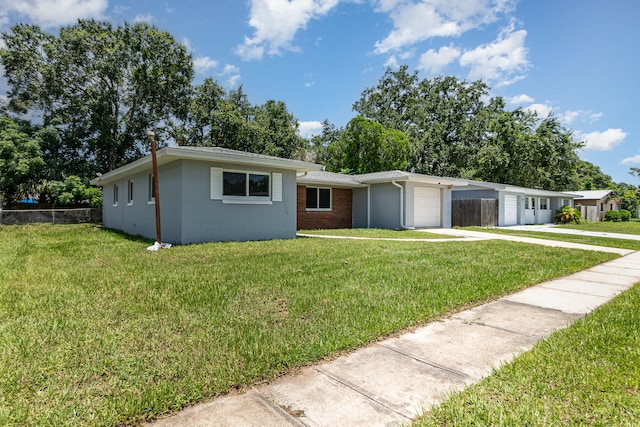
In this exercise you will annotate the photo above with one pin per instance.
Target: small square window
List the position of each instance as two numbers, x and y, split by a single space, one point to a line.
318 198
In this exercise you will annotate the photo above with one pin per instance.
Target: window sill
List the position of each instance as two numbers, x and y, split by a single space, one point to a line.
151 202
246 202
319 210
130 204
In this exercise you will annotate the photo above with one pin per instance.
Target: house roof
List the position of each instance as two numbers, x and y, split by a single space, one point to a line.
217 154
592 194
515 189
329 178
354 181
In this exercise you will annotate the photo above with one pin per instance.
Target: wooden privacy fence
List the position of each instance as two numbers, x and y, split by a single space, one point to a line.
54 216
480 212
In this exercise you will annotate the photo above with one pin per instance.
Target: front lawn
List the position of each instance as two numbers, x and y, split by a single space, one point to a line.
625 227
95 330
587 375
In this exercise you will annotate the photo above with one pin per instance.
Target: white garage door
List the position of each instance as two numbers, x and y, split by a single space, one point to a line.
510 210
426 207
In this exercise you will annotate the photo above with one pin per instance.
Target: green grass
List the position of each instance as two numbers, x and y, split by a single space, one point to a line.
377 233
95 330
587 375
630 227
587 240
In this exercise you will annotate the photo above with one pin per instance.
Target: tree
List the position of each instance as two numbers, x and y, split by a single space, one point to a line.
101 87
278 131
21 163
590 177
366 146
444 118
635 172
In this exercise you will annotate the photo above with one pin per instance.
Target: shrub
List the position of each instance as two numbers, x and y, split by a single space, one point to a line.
625 215
612 216
568 215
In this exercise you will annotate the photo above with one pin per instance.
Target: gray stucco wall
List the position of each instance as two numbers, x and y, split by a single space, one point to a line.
385 206
188 215
474 194
359 208
205 220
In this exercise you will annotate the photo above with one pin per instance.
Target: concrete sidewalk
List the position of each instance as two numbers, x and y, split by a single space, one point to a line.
391 382
476 235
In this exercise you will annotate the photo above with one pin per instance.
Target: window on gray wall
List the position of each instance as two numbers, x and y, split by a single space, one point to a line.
318 198
245 184
115 195
129 192
152 190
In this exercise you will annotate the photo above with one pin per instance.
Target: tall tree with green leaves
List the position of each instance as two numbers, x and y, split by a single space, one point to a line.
444 118
21 163
366 146
101 87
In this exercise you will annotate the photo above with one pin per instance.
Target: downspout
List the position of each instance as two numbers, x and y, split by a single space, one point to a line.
404 227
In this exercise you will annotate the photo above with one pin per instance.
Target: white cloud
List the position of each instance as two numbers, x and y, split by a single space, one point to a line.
602 141
520 99
203 64
499 60
120 10
52 13
542 110
631 160
568 117
276 23
392 62
434 62
594 117
418 21
147 18
309 129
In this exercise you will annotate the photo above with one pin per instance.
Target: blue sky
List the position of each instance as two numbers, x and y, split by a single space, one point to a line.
576 58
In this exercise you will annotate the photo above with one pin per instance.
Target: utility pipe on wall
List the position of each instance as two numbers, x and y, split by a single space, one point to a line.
393 181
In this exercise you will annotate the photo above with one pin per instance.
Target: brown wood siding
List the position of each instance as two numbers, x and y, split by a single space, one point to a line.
340 215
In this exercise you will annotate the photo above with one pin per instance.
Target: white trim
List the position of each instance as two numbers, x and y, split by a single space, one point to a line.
276 187
216 184
246 202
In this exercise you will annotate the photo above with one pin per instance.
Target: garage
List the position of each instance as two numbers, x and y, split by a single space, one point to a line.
510 209
426 207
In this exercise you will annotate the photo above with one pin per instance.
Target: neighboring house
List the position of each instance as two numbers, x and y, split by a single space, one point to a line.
392 199
594 203
516 205
206 194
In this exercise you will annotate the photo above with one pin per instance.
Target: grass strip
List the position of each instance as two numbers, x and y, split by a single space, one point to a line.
587 240
377 233
624 227
587 375
95 330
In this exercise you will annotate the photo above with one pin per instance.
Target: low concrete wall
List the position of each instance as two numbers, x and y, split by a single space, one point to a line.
54 216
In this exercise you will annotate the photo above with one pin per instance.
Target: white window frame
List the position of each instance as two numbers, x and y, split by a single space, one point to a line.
217 187
318 209
544 201
115 195
151 200
130 192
